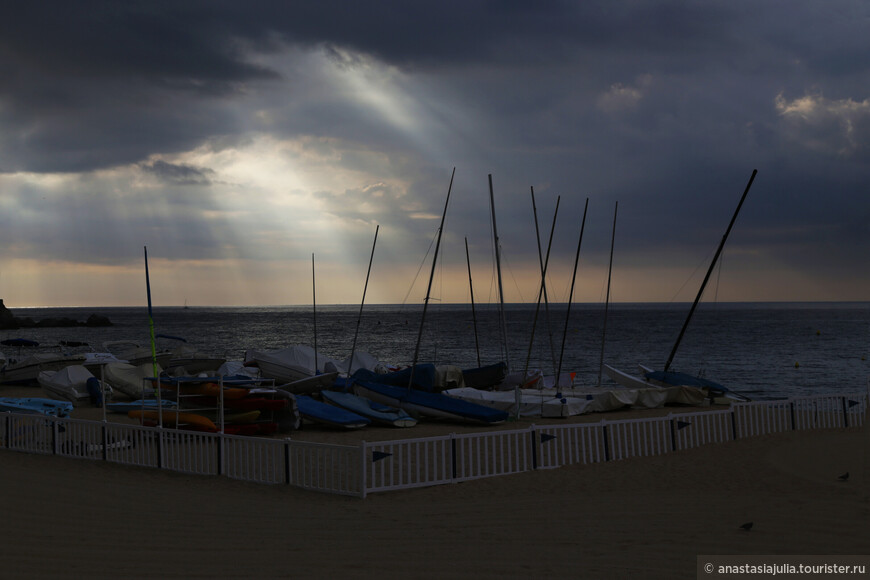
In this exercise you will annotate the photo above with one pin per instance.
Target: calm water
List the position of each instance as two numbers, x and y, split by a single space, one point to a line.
749 347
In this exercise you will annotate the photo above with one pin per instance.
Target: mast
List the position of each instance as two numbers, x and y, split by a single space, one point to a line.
542 291
709 271
151 319
473 315
498 271
153 344
571 294
314 310
365 288
607 298
429 288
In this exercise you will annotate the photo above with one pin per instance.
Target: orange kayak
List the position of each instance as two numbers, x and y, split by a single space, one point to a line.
208 389
172 417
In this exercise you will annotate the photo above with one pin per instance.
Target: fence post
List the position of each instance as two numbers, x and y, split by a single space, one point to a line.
845 412
159 431
54 437
673 432
105 442
534 439
287 460
363 484
453 456
219 443
733 423
606 440
793 421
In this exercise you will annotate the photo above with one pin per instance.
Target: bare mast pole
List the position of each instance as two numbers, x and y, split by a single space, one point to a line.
498 271
607 298
471 290
314 310
365 288
543 268
542 291
571 294
429 288
709 271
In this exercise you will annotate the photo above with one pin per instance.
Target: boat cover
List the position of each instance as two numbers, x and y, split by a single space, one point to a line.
128 379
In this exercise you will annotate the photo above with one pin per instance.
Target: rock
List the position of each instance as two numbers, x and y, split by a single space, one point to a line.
8 321
6 318
98 320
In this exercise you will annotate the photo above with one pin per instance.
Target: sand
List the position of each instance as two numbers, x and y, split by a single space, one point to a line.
638 518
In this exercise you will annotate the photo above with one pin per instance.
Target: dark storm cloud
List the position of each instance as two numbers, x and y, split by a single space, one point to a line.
665 106
94 84
180 174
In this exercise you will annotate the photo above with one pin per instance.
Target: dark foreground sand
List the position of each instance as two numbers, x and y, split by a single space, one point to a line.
638 518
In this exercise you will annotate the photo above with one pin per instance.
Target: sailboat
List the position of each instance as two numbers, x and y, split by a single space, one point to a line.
667 377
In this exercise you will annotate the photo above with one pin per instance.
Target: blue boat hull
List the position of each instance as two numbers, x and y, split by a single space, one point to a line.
378 413
329 414
429 404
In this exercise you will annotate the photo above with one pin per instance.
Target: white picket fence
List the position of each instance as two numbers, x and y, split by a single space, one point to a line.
391 465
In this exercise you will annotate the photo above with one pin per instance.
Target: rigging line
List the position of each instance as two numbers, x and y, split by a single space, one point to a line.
690 277
718 278
514 279
417 275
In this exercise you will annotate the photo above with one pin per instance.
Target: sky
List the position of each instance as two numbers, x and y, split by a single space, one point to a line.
255 149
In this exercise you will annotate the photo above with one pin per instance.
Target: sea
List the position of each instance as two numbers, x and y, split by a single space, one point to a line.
764 350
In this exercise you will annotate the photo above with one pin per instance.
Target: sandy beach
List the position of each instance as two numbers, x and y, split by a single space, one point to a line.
644 518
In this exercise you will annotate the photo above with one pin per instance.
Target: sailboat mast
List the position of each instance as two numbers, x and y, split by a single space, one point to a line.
709 271
498 272
151 319
473 314
571 294
607 297
314 310
429 287
365 288
542 291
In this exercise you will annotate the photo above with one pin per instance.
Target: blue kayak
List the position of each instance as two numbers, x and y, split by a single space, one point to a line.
36 406
429 404
377 412
329 414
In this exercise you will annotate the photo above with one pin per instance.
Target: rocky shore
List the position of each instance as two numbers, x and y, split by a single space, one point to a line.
8 321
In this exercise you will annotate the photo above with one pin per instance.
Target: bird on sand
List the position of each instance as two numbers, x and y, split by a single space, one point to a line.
746 527
844 477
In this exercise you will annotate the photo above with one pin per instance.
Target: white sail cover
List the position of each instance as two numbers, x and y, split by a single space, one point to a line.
298 362
128 379
285 365
69 383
